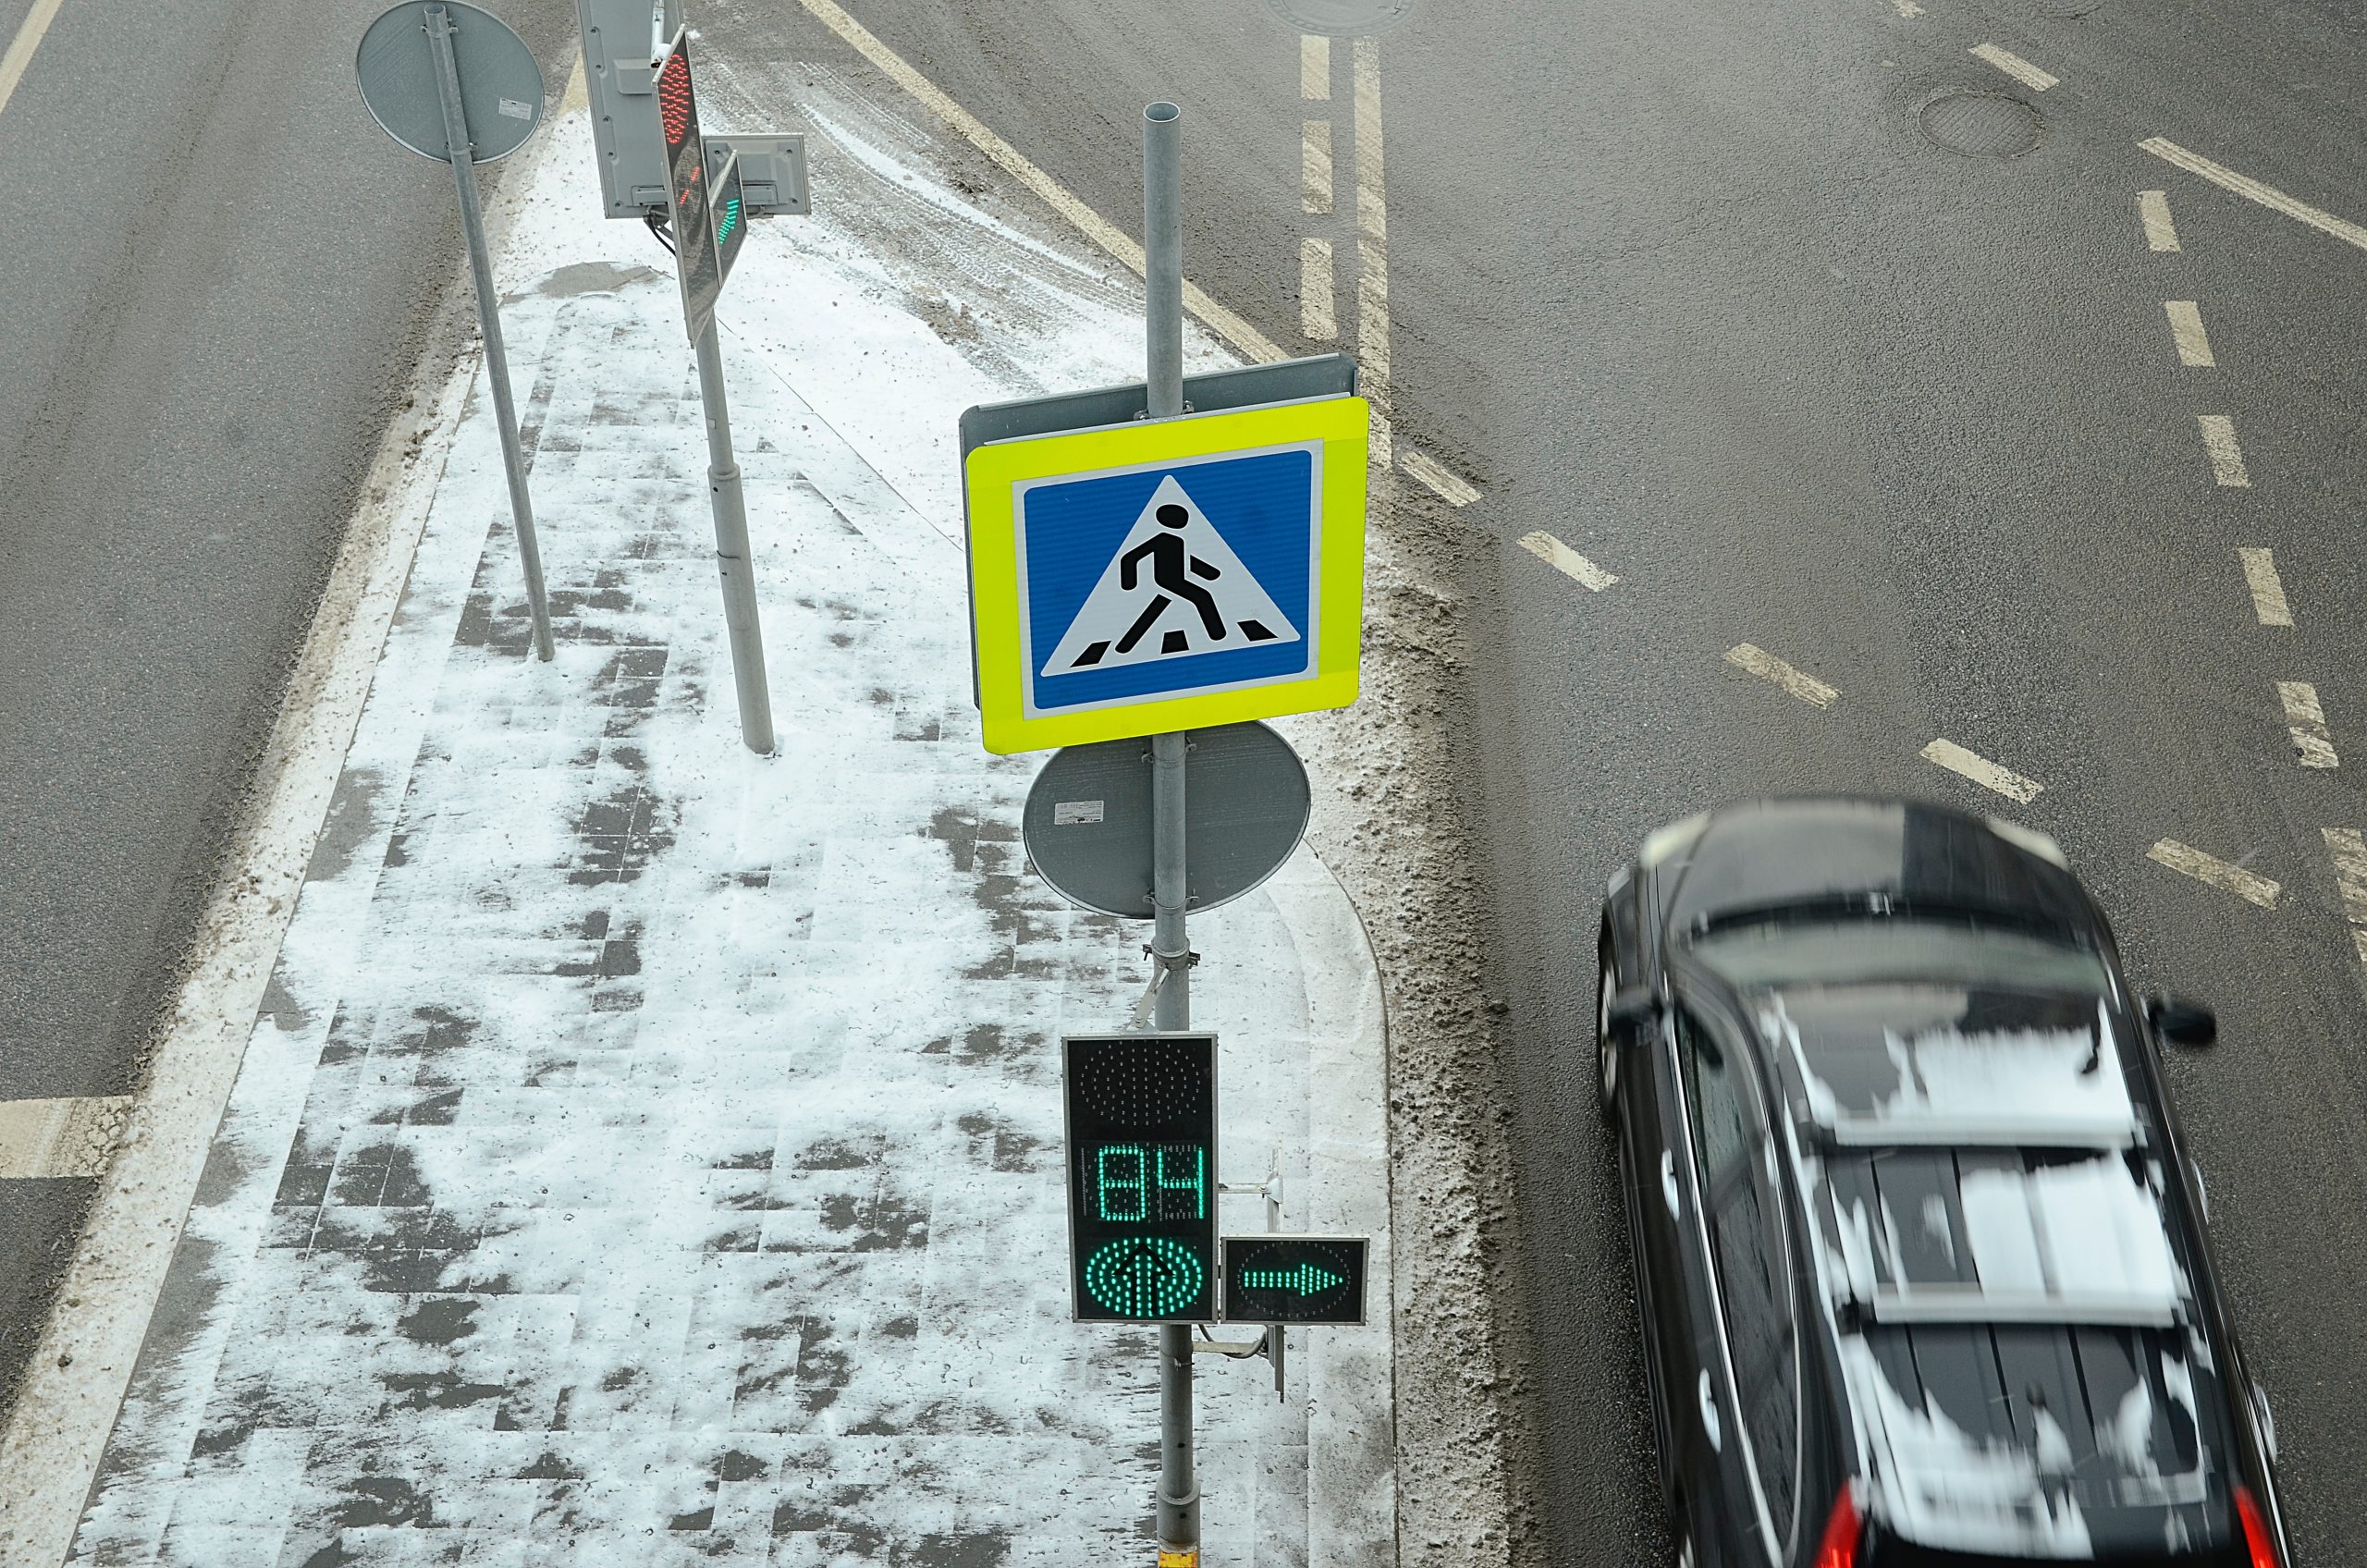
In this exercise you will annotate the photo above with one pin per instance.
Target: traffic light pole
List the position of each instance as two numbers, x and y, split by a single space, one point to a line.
1179 1489
462 152
731 553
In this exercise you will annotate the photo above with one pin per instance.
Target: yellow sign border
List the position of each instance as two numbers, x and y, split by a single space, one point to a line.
994 472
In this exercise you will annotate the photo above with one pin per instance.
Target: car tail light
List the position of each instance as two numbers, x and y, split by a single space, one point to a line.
1841 1528
2256 1537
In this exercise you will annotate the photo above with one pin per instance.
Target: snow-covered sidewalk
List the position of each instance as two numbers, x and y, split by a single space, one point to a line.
651 1152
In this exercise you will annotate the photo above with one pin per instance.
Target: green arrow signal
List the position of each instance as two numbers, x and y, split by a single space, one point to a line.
1307 1280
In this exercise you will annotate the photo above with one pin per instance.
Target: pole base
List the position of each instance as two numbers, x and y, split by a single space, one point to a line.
1178 1555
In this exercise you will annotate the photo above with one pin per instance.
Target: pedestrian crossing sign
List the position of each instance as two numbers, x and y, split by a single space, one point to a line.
1168 574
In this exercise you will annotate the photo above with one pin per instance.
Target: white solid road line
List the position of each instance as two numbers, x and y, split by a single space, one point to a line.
1315 167
1452 487
1372 249
1314 66
1252 343
40 1140
2226 458
2350 851
1317 317
2268 589
2306 722
2186 331
1981 771
1564 560
2014 65
2153 206
1767 667
21 47
2191 862
2253 190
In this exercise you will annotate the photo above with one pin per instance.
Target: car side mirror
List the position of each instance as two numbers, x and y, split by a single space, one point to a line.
1633 1012
2180 1022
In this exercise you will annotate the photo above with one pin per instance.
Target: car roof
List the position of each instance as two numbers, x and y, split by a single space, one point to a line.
1997 1254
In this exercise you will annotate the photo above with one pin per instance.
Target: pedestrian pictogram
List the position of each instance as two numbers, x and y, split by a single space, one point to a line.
1174 588
1168 574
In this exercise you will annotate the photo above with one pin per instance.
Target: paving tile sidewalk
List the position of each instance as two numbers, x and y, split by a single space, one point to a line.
650 1152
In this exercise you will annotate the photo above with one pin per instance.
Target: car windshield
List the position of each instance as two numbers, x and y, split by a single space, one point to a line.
1864 950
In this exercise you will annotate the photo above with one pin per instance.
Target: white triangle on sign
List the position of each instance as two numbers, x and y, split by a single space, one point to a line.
1171 591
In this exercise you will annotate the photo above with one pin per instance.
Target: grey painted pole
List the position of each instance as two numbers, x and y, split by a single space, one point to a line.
496 361
1179 1488
731 554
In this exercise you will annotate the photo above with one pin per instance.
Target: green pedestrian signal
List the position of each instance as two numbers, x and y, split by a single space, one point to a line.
1142 1162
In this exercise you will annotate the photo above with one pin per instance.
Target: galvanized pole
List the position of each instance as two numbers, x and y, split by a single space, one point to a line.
461 151
731 553
1179 1489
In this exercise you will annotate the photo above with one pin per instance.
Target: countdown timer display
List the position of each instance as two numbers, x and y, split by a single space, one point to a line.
1142 1163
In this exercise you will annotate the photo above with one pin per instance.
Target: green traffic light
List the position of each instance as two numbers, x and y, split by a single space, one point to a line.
1146 1277
1307 1280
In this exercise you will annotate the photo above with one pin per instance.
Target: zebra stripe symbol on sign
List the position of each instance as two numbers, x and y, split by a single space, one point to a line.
1173 588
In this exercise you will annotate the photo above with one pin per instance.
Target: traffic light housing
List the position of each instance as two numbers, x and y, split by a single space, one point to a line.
695 261
621 41
1142 1171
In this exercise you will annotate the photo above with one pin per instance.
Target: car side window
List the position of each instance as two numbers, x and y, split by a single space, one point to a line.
1747 1246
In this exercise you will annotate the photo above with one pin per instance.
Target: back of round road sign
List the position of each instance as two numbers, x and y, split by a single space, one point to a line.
501 87
1087 824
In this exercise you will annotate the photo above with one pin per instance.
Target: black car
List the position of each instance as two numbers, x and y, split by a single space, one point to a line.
1919 1252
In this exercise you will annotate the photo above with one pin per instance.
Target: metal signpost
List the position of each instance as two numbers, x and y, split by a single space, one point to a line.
703 254
450 81
1141 568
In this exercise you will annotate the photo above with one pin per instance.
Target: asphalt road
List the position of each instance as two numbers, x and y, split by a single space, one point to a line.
221 274
1689 289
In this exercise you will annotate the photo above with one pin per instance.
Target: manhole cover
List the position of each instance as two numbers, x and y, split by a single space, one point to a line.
1984 124
1342 18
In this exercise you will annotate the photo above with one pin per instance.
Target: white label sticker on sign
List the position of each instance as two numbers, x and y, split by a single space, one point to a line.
1068 814
516 110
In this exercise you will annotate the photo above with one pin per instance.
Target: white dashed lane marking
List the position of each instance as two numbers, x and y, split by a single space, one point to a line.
1947 754
2153 206
1451 488
1767 667
1568 562
2014 65
2350 851
1314 66
2191 861
2253 190
2306 722
1315 167
2186 331
2227 468
40 1140
2268 589
1317 317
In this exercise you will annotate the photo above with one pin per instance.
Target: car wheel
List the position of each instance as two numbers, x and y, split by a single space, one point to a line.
1606 1061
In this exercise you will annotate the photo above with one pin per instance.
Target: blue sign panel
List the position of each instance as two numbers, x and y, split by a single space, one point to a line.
1183 578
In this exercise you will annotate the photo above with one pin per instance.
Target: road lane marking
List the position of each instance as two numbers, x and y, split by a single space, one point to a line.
1907 7
1314 66
2306 722
1372 249
2268 589
21 47
1564 560
1767 667
40 1140
2253 190
1981 771
2189 861
1253 344
2153 206
2350 851
1317 317
1315 167
2014 65
2186 330
2226 458
1452 487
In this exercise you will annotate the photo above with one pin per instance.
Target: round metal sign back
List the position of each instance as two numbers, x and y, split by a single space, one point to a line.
501 87
1087 825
